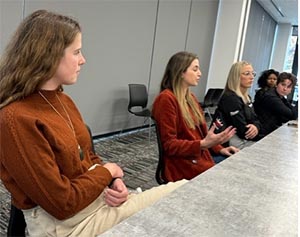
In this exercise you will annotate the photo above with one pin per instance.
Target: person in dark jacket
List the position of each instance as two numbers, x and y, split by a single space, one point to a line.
272 107
267 80
236 106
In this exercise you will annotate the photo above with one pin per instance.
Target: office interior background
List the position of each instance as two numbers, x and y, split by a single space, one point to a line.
130 41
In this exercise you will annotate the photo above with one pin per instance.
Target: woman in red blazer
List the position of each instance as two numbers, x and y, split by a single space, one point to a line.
187 143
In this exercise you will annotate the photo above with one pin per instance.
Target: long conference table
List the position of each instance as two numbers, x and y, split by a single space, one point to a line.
252 193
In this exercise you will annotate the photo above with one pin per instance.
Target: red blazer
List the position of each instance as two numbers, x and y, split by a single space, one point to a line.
182 155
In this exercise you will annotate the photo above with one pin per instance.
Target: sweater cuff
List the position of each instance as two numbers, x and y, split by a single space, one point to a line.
94 166
216 149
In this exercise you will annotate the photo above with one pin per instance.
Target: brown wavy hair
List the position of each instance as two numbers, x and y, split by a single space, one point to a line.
33 54
172 80
287 76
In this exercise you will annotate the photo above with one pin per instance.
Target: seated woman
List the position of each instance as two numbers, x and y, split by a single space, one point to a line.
236 107
267 80
46 161
272 107
185 139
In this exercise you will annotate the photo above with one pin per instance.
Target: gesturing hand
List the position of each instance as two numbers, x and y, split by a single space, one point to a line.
213 139
116 194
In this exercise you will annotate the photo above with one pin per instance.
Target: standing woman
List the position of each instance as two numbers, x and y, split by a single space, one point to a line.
186 142
272 108
46 159
236 106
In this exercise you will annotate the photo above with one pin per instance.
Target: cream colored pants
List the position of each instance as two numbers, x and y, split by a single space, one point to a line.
95 218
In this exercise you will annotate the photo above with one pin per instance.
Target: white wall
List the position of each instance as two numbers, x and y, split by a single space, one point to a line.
175 31
258 43
171 31
227 39
118 46
10 17
130 41
284 32
245 31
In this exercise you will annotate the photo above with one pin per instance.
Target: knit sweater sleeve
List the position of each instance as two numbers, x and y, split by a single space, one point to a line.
39 168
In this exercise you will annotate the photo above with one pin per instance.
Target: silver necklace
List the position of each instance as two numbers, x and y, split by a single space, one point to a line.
69 122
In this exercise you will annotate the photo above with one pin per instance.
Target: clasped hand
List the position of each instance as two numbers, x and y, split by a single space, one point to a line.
116 194
251 132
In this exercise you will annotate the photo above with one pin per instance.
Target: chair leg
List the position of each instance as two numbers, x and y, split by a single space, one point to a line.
120 133
149 129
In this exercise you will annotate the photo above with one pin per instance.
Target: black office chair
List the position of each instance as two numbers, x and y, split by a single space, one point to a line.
211 100
92 141
160 165
17 225
138 101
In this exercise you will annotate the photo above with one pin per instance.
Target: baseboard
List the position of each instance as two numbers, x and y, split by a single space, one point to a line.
110 134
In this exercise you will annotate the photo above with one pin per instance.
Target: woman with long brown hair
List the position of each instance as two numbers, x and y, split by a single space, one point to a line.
46 159
187 143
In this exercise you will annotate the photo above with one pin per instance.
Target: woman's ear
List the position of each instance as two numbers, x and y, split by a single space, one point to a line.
182 75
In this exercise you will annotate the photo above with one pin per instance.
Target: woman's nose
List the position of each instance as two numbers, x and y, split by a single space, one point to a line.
82 61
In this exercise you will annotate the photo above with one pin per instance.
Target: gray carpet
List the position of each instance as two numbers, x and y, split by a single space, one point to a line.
135 154
132 151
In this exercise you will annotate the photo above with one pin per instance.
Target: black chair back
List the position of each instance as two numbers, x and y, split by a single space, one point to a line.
92 141
211 100
16 225
212 97
207 102
216 96
160 165
138 96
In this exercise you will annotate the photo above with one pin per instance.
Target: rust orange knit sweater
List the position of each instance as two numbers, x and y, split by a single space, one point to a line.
39 157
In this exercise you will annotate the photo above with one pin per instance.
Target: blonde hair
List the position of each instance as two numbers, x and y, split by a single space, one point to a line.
172 80
33 54
234 80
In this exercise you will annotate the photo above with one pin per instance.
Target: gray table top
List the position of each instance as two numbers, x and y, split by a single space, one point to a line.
252 193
